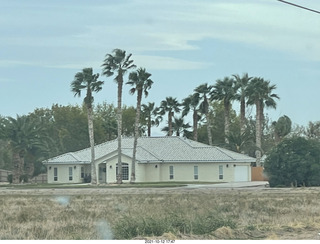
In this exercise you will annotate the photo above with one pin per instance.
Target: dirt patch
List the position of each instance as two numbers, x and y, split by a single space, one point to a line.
224 233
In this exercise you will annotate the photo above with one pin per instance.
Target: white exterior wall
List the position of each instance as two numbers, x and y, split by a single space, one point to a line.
150 172
63 173
207 172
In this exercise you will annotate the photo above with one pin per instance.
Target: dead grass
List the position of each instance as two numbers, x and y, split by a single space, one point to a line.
157 214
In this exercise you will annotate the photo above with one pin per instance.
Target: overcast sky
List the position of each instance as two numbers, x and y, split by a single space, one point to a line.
181 43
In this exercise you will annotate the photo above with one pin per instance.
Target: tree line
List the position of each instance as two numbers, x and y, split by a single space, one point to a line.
27 140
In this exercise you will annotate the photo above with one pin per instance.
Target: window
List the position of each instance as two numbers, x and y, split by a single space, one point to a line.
125 171
82 172
195 170
171 172
220 172
55 174
70 173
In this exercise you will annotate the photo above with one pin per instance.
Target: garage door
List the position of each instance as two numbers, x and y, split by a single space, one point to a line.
241 173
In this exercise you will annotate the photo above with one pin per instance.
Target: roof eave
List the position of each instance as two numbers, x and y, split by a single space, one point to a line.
70 162
196 161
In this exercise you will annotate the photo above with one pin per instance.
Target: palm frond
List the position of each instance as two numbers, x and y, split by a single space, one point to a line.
86 80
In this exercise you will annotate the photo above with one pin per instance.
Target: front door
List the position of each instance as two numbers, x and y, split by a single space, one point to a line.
102 173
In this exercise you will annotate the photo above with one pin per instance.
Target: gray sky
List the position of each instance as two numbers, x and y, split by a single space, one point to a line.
181 43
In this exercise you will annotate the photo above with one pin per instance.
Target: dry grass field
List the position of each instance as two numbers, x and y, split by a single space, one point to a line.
160 213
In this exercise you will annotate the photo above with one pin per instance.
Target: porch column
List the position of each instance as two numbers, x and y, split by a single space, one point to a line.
97 172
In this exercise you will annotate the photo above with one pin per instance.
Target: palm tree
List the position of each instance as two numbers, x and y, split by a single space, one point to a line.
203 92
170 106
224 90
25 136
118 62
179 127
141 82
241 87
240 142
88 81
151 114
281 128
313 130
192 102
261 95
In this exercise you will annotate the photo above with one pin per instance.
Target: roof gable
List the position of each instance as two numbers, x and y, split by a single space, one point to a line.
68 158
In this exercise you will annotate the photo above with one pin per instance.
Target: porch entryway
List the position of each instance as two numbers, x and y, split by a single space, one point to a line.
102 173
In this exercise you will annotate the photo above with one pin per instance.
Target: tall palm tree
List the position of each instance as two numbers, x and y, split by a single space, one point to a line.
170 105
224 90
241 86
151 114
141 82
118 62
25 136
192 103
88 81
261 95
203 92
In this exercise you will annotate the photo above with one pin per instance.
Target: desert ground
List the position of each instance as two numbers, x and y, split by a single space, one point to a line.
170 213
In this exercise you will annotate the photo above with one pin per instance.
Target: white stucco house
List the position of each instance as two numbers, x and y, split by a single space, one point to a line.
158 159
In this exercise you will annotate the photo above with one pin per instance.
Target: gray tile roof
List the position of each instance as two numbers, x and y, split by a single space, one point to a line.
157 149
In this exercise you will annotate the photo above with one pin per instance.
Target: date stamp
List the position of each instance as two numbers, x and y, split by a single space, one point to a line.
159 241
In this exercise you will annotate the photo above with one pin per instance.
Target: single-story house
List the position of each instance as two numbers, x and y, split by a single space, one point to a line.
158 159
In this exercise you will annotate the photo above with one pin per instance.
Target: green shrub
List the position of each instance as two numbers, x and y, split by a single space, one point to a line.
294 162
24 178
10 178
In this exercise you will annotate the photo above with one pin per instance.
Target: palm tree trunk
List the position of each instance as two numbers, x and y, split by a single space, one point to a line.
170 123
242 116
21 168
195 125
258 132
17 168
91 139
30 169
207 113
136 135
149 126
119 117
209 129
226 121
